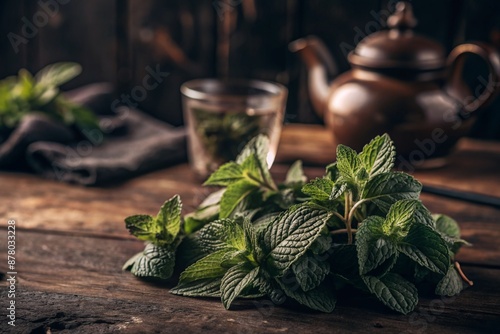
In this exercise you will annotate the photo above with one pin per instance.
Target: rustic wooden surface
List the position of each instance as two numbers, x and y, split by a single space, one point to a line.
71 243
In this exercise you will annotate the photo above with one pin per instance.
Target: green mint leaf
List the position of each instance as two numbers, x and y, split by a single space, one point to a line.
233 195
348 162
235 257
213 199
394 291
190 250
319 189
202 288
154 262
24 86
161 230
310 271
362 174
269 287
332 172
206 212
320 299
191 224
249 206
143 227
252 240
262 222
450 232
373 247
451 284
223 133
250 234
447 226
258 146
378 156
338 190
169 216
235 281
387 188
50 77
222 234
130 262
322 244
291 234
426 247
285 197
57 74
295 174
208 267
226 174
251 169
403 214
256 172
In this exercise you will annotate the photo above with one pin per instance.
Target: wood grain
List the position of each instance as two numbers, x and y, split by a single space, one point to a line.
474 166
70 282
72 243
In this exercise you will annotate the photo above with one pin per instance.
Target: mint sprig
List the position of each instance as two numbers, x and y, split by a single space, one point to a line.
40 93
161 234
245 260
360 225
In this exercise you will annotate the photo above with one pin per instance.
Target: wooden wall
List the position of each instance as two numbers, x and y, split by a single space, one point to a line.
118 40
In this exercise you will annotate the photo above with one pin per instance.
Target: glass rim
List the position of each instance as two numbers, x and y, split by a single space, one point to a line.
194 89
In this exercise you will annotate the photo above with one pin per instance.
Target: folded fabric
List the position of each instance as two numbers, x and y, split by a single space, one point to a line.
33 128
131 143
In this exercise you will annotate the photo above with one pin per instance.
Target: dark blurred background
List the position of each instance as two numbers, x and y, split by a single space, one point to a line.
121 41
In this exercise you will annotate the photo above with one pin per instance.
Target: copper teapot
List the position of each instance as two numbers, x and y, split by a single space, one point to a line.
400 83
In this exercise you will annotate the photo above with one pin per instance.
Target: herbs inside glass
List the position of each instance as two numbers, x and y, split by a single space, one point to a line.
222 117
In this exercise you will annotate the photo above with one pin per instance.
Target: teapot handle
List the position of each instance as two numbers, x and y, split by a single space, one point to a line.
455 63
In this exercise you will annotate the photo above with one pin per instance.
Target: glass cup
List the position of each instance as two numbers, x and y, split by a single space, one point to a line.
223 115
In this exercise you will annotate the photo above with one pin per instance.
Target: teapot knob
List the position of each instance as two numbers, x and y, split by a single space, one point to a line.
402 18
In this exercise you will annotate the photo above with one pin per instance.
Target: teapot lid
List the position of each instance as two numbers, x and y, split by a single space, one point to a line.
399 47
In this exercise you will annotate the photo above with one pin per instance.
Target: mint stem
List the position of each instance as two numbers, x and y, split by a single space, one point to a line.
459 269
342 231
339 216
262 184
348 217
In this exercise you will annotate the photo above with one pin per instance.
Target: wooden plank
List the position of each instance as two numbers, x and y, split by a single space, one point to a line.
69 282
473 167
14 44
83 32
310 143
38 203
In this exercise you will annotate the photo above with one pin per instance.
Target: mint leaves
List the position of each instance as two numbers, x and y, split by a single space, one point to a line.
290 236
242 178
249 262
361 224
26 93
393 291
161 235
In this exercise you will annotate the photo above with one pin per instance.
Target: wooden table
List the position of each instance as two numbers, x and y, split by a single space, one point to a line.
71 244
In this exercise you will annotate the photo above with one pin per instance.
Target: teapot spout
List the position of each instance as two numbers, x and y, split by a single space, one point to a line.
319 65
